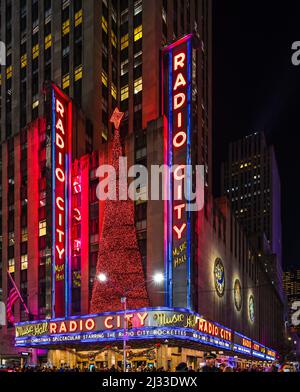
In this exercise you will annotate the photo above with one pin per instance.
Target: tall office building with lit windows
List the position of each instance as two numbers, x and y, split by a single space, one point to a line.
250 179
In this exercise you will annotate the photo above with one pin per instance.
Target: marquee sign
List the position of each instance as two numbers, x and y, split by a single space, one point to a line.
177 104
147 323
61 149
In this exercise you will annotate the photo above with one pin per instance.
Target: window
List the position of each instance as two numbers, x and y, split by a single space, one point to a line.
9 72
104 78
35 51
24 60
24 234
124 93
78 73
138 7
114 40
124 41
138 85
138 33
104 24
48 41
124 16
42 228
24 262
11 266
66 27
78 18
113 91
66 81
124 67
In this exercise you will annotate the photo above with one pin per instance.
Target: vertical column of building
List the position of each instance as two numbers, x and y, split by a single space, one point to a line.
4 223
36 227
21 281
85 233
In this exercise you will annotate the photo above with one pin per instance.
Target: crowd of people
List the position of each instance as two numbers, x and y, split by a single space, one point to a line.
211 366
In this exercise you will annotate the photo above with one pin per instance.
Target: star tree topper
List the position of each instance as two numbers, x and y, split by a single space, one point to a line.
116 118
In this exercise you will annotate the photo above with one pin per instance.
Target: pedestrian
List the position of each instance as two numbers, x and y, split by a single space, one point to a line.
210 365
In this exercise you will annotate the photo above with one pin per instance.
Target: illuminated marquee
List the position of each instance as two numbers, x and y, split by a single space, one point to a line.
177 103
147 323
61 172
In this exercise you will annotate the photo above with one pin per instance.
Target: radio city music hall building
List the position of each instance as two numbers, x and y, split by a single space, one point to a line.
216 296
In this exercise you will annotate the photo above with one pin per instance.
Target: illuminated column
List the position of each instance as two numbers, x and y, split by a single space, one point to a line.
17 217
162 356
33 219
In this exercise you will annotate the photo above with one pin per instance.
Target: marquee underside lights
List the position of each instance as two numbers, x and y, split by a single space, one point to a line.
177 102
61 201
147 323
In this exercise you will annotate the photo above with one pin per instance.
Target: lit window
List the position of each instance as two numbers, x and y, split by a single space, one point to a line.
114 40
138 7
35 51
124 92
24 262
35 104
124 67
42 228
138 33
11 266
9 72
24 234
0 80
113 91
66 27
124 41
24 61
104 78
78 73
48 41
66 81
78 18
138 85
104 24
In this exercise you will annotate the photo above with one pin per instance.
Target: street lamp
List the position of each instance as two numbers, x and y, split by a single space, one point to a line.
158 278
102 278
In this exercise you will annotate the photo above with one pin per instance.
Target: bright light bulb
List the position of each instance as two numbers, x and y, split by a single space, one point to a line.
102 278
158 278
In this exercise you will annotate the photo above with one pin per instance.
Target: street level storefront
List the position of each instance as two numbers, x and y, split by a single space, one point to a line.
160 336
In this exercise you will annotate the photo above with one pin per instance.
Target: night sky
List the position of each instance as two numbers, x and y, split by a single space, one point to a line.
256 88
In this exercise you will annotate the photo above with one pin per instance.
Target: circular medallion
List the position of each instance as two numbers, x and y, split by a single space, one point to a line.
251 308
237 293
219 277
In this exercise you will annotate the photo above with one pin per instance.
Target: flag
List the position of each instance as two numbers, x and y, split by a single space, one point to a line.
12 297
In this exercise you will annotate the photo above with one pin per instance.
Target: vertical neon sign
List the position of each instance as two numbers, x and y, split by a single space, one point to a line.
61 202
176 106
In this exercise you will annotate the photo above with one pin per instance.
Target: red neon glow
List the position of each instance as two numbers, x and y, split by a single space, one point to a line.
180 81
62 146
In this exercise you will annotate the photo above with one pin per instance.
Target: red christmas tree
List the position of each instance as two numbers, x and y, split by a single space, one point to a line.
119 257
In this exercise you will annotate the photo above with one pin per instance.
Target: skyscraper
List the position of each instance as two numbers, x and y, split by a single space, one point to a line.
250 179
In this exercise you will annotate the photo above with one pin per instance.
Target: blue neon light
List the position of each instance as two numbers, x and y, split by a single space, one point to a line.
189 174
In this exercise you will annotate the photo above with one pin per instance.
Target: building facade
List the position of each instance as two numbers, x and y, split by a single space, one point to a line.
136 55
